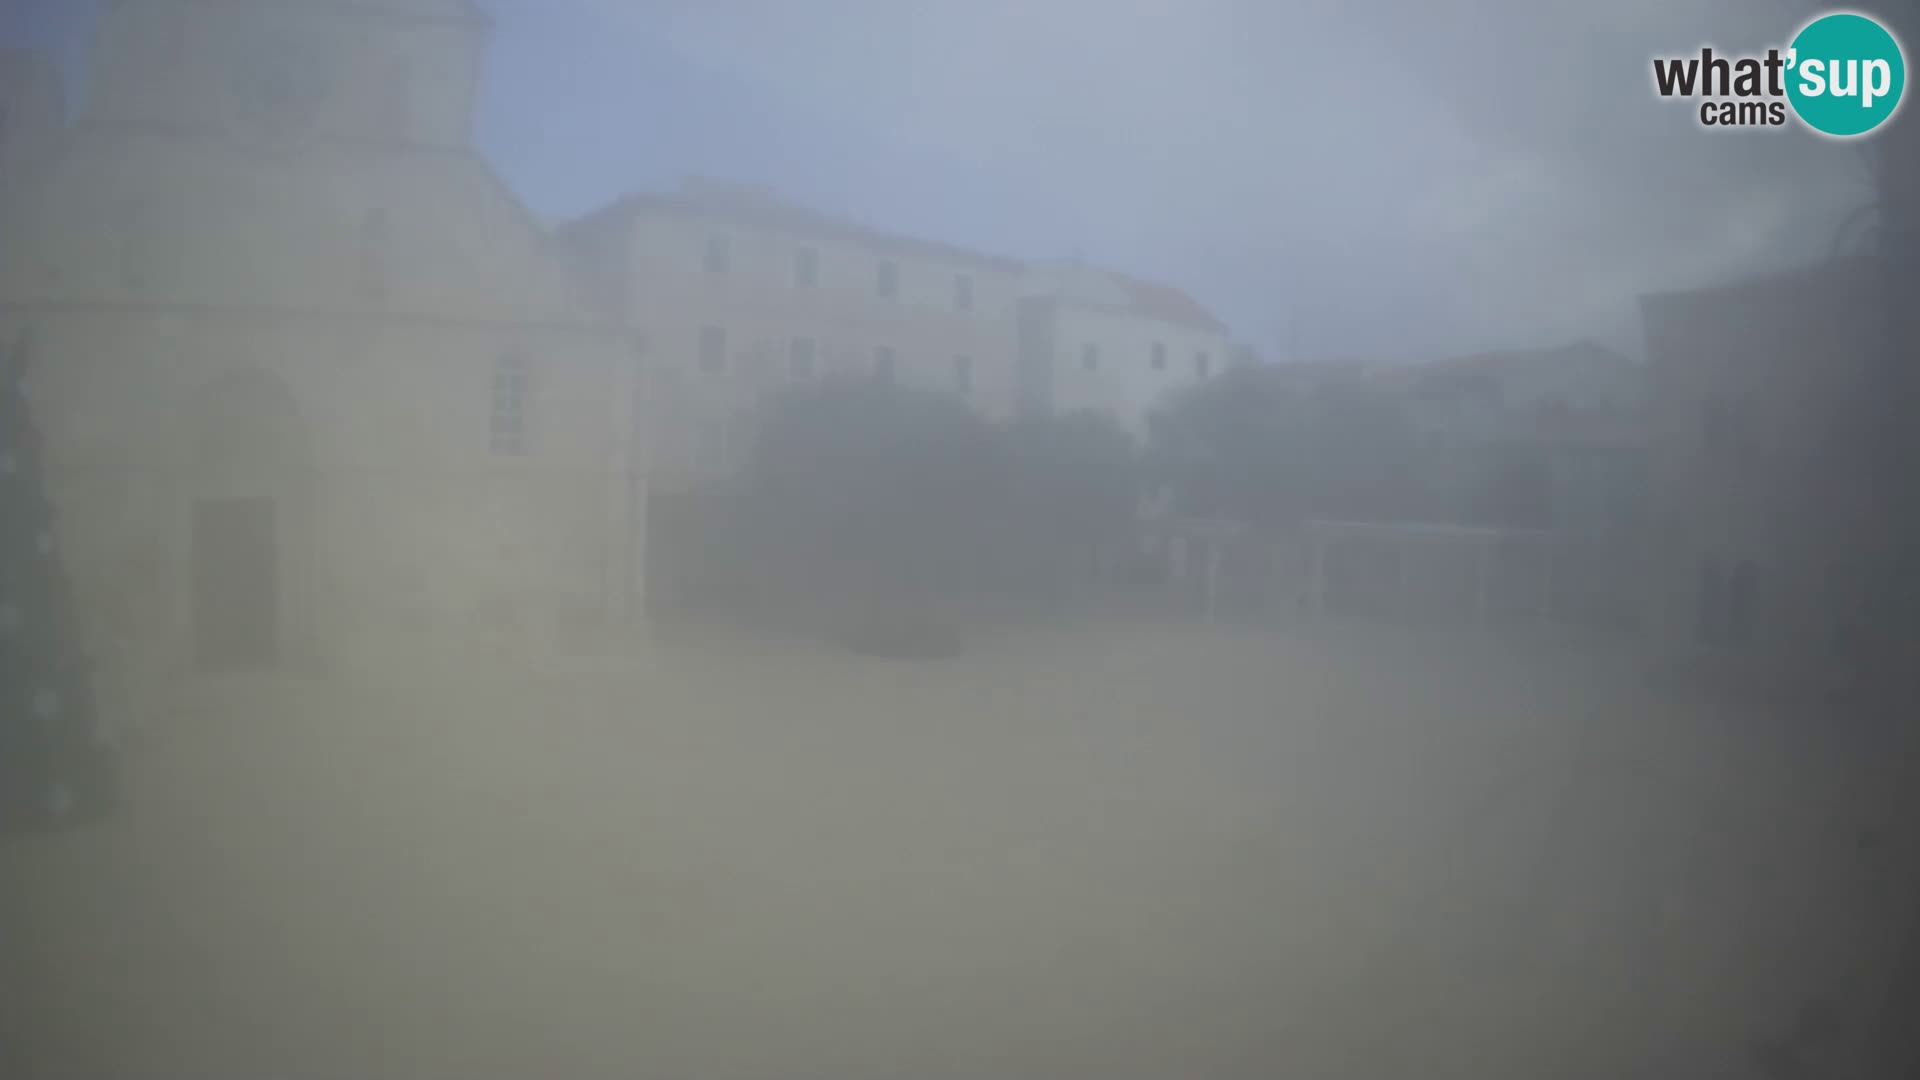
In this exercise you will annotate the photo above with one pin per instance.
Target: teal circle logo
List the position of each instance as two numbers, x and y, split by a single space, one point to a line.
1845 74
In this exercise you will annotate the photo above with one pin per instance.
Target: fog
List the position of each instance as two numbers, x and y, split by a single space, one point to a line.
857 539
1399 178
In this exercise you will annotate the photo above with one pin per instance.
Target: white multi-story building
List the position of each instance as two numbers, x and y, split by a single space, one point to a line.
1100 341
729 294
306 370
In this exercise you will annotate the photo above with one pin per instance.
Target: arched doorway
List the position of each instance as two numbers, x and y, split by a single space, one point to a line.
246 481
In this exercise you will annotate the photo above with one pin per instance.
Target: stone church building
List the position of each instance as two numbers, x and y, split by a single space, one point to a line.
314 392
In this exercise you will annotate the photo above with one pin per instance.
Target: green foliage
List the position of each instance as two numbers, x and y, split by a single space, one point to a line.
872 485
1259 444
1518 490
1072 485
53 770
1238 446
904 507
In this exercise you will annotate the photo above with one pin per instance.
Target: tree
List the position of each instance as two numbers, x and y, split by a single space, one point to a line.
1071 487
1518 489
871 499
902 508
1266 446
1239 446
1364 453
55 766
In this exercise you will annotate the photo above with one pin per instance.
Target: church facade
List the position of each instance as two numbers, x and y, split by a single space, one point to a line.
314 390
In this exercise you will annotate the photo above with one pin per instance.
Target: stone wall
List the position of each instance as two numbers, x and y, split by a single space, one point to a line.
395 525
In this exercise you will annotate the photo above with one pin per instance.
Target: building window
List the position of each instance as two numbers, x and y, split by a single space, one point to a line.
1202 366
719 254
1159 356
507 430
1090 357
713 350
375 241
963 293
963 374
806 268
800 359
885 362
888 281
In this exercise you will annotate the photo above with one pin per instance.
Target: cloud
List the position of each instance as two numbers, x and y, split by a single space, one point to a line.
1405 176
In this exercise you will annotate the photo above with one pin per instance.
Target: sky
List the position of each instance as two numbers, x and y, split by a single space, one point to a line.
1391 179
